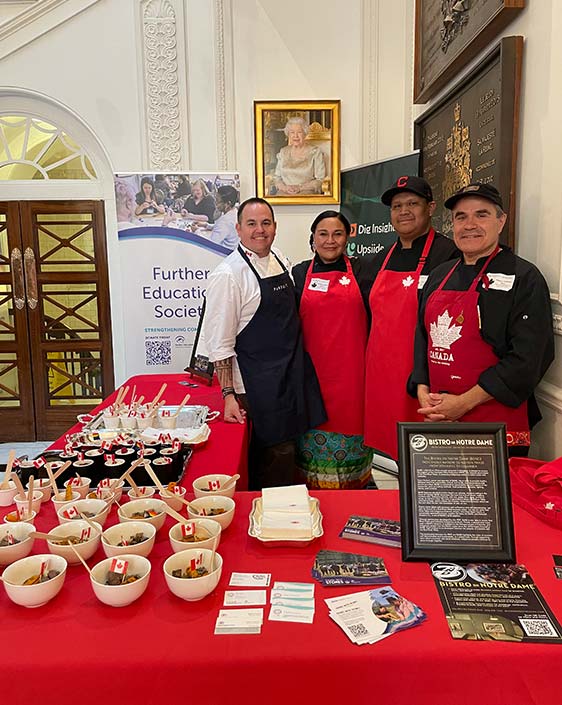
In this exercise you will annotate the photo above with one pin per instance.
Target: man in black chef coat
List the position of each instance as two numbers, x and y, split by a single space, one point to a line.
484 337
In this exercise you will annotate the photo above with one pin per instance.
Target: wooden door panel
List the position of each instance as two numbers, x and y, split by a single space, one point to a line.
16 381
70 325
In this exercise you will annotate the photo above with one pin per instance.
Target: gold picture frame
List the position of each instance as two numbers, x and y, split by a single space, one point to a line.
297 147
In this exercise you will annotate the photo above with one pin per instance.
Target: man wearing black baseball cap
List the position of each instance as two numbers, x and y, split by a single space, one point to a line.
484 337
398 274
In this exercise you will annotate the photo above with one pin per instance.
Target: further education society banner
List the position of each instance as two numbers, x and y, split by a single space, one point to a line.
166 258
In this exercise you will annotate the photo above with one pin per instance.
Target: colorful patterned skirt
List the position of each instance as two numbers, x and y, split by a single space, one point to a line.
333 461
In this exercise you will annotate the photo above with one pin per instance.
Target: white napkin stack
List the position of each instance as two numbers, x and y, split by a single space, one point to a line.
286 513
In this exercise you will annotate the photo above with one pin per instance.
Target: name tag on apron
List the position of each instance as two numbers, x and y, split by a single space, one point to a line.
500 281
317 284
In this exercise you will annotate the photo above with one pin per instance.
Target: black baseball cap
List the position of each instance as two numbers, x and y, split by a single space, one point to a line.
487 191
415 184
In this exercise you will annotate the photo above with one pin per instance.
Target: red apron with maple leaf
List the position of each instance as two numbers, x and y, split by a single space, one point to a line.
457 355
390 352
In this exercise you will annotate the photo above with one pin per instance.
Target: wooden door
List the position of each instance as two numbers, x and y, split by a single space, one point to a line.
69 351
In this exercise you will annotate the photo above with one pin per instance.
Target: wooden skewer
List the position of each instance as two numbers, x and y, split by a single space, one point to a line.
158 396
9 465
176 515
134 486
18 484
228 484
158 484
62 468
180 407
133 395
81 559
121 394
43 535
30 495
91 523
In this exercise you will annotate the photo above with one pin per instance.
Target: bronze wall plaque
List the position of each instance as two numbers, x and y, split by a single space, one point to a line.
470 135
450 33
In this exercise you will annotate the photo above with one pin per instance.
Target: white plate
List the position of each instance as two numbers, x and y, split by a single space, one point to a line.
256 515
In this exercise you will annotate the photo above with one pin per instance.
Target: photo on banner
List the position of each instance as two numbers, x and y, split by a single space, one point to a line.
362 187
173 230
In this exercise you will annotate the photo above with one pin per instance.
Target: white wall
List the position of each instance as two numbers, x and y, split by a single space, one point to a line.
88 56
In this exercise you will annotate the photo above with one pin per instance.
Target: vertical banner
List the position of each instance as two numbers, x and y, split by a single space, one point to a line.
173 230
362 187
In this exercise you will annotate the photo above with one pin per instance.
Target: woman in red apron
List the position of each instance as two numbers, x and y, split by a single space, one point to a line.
334 323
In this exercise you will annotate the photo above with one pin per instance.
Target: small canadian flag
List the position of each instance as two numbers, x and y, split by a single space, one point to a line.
166 412
106 445
10 539
196 562
106 482
44 568
39 462
187 530
75 481
100 491
124 541
118 565
177 489
141 453
214 484
109 458
80 456
68 449
71 512
22 512
176 445
85 534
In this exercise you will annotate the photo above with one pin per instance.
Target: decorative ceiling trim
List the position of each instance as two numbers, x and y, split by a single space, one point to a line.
370 63
161 85
224 85
37 20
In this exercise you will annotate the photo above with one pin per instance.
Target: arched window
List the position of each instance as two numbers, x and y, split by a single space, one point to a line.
32 149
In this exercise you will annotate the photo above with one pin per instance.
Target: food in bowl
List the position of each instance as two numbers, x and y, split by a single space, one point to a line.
145 514
67 540
121 578
133 540
190 572
41 577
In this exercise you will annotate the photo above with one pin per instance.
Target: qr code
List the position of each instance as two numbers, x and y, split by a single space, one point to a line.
158 352
538 627
358 630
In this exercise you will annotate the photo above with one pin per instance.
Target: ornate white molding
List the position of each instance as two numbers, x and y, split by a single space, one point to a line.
224 85
160 70
37 20
370 62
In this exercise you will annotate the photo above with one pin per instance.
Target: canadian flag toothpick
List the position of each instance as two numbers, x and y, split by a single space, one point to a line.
214 484
71 512
187 530
39 462
118 565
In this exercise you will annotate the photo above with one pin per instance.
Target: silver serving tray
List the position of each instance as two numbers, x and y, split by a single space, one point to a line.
193 416
256 515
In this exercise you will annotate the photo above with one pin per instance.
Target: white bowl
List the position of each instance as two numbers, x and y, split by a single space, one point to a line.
26 520
209 527
7 496
58 503
148 492
210 503
83 488
97 507
35 502
33 595
172 499
140 505
120 595
42 485
85 549
192 589
20 530
201 486
125 530
117 490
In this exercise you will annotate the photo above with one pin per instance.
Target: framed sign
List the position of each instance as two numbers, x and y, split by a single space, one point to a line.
455 499
297 151
450 33
470 135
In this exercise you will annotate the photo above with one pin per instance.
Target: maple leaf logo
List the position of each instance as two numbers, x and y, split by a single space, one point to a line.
408 281
345 281
442 333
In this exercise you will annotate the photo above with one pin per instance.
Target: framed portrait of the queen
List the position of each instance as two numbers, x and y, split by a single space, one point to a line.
297 148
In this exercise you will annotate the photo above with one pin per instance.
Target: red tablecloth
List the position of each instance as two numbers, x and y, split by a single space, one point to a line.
161 649
226 451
